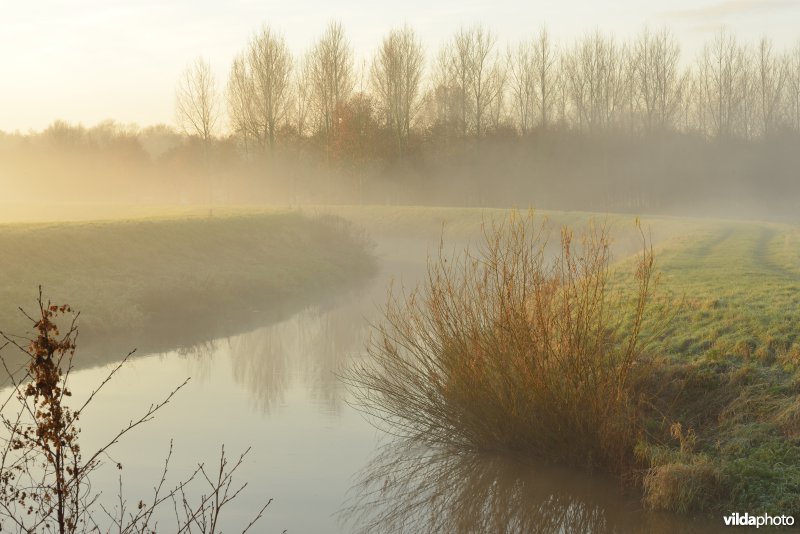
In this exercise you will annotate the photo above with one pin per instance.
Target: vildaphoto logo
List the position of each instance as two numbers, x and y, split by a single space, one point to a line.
764 520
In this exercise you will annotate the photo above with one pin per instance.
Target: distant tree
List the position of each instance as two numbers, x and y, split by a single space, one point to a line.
545 60
358 142
722 80
396 77
196 106
658 84
240 102
61 135
749 123
769 87
301 116
522 85
470 67
331 78
532 80
792 63
595 70
270 66
561 110
260 90
159 139
444 103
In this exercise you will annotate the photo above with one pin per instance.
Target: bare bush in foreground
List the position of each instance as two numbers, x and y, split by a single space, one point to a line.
45 475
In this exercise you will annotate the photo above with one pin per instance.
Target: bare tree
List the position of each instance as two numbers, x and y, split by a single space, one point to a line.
769 86
331 77
445 102
545 59
471 67
792 63
196 107
533 79
487 76
396 77
270 66
723 84
692 114
748 124
596 83
240 102
561 107
302 100
658 84
522 85
260 89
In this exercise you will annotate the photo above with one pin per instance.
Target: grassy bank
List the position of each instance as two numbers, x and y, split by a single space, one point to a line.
719 405
161 282
728 371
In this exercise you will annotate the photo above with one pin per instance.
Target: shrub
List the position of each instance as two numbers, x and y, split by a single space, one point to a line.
519 346
45 475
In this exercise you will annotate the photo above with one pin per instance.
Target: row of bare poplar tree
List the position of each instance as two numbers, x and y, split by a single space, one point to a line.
473 87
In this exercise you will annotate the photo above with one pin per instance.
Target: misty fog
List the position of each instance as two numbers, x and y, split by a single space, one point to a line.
312 213
598 124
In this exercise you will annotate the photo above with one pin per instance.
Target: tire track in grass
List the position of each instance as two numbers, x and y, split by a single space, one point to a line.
736 291
764 255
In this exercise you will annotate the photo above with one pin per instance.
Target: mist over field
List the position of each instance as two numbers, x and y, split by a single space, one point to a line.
478 271
595 123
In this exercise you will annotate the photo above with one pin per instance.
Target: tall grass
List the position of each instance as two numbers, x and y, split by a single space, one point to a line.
519 345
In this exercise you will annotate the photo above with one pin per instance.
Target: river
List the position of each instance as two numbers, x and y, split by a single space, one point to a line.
275 391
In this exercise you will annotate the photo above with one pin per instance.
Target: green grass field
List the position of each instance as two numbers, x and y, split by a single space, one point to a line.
159 282
730 368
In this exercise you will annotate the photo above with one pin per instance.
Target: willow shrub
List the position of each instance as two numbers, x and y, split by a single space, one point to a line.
518 346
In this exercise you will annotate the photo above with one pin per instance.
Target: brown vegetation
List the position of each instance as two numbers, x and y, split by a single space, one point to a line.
506 350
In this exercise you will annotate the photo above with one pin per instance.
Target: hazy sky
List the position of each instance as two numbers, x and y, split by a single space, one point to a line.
90 60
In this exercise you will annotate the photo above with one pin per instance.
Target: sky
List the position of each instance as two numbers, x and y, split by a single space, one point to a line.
85 61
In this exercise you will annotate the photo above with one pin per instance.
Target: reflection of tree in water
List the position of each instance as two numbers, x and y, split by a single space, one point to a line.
311 347
308 348
409 488
198 358
260 361
339 333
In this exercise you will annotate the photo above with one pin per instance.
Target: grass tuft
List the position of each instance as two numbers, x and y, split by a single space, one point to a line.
689 484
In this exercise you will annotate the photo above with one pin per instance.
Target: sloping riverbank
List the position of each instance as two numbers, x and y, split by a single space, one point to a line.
163 282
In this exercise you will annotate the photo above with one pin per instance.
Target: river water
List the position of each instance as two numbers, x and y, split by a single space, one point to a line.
275 391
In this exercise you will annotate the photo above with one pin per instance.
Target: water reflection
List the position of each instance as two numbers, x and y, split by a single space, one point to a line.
310 347
413 488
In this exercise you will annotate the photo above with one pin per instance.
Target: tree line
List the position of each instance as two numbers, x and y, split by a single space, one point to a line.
474 88
596 124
